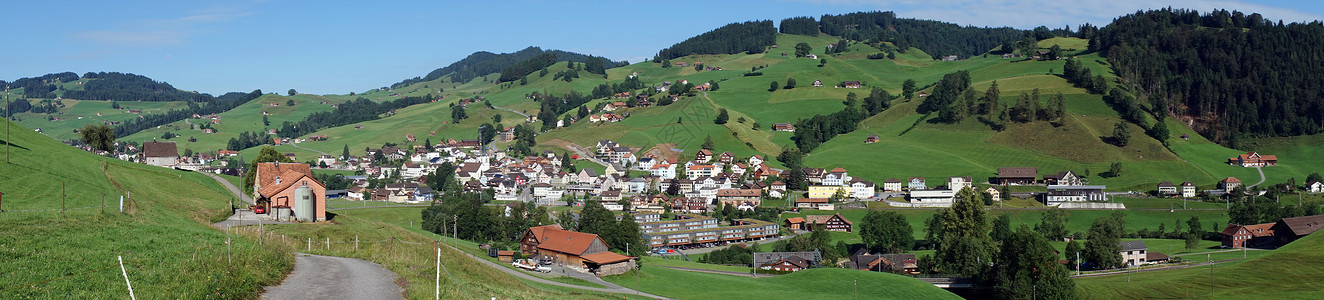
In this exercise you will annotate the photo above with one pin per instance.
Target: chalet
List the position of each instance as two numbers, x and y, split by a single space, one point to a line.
1228 184
950 58
814 175
1063 178
1291 229
851 84
703 155
1017 175
726 158
892 185
227 153
818 83
1258 235
1133 252
922 94
895 263
834 222
161 154
1252 159
994 193
787 127
1057 194
755 160
278 185
317 137
872 138
577 250
786 261
1167 189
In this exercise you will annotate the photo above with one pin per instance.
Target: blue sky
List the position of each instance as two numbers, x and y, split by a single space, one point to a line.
322 48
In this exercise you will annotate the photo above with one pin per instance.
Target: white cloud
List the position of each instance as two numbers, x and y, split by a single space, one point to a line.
1054 14
159 32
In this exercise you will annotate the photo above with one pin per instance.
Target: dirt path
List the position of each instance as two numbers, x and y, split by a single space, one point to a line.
330 277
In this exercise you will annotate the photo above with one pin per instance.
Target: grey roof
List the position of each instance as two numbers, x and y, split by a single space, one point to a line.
1133 245
766 257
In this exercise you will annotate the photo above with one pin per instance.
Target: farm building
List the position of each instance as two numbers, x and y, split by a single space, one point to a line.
289 190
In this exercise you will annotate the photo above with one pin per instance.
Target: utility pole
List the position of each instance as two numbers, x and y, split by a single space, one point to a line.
455 231
9 115
1077 264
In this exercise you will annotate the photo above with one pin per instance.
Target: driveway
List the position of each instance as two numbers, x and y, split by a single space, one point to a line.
330 277
230 186
242 217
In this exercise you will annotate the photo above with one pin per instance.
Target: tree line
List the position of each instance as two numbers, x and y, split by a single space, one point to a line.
934 37
524 68
1235 75
751 37
359 110
816 130
799 25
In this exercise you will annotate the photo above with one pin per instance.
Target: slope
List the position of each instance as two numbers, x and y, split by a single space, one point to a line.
1263 276
168 248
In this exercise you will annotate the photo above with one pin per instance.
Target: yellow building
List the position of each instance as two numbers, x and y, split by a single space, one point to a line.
826 191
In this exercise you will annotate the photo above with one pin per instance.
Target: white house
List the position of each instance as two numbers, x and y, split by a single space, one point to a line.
1315 187
836 177
892 185
958 183
860 189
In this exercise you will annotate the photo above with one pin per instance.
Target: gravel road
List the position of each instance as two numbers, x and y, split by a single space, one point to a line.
330 277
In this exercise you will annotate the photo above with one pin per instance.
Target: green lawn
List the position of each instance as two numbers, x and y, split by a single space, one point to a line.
824 283
1077 220
1279 274
167 245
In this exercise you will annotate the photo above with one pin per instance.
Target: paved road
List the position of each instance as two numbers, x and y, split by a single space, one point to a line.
526 116
330 277
230 186
1261 170
611 287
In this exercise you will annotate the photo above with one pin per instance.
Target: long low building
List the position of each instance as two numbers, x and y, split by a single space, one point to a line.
742 230
932 198
1057 194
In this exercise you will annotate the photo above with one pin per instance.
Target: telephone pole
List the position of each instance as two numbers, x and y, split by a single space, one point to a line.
8 116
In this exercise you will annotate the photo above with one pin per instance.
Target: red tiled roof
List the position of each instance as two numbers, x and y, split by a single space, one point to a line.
268 172
566 241
1018 172
287 180
795 220
1231 179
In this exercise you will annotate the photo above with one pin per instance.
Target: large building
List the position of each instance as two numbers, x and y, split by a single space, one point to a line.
1017 175
696 230
1252 159
932 198
1074 193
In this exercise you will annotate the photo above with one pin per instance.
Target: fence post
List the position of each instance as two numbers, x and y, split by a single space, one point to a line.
436 292
356 242
227 250
121 203
310 244
126 277
103 203
62 199
328 244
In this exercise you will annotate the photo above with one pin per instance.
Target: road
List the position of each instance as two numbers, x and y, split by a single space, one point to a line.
330 277
1261 170
230 186
611 287
316 276
526 116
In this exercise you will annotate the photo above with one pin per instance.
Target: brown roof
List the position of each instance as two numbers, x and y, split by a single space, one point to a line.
1018 172
160 149
505 253
603 258
820 219
287 180
538 230
566 241
1231 179
1303 225
267 172
1155 256
1257 230
740 193
795 220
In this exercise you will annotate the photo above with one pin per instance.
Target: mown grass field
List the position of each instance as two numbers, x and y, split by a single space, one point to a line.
78 113
245 118
168 247
1272 275
825 283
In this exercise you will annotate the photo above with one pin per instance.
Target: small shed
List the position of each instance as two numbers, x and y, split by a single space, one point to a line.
506 256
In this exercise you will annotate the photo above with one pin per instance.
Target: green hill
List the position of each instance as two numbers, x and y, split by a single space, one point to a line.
823 283
1270 276
169 249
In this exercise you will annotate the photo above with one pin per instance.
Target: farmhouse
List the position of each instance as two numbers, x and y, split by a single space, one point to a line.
1017 175
1291 229
895 263
1166 189
160 154
1237 236
787 261
787 127
834 222
1252 159
851 84
994 193
872 138
577 250
289 190
1063 178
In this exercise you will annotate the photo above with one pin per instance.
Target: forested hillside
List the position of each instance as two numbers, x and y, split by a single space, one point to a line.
1229 74
107 86
733 38
934 37
483 63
